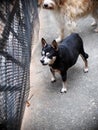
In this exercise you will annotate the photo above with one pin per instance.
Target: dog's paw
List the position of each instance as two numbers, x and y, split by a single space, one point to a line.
93 23
53 80
63 90
85 70
59 39
96 30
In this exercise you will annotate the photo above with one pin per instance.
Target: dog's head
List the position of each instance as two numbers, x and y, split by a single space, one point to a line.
52 4
49 52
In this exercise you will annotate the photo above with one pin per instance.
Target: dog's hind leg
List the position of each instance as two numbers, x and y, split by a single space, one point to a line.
94 23
96 29
61 27
95 16
84 57
61 35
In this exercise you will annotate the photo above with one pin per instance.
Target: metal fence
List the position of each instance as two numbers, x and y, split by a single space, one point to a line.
16 30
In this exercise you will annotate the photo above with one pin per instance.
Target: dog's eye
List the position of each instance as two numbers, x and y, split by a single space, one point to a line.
42 53
47 54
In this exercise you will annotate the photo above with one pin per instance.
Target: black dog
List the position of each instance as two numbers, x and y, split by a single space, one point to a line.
61 57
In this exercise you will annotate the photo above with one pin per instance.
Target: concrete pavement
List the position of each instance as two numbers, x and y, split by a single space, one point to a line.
78 108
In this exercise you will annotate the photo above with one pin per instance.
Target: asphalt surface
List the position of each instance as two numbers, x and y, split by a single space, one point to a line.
78 108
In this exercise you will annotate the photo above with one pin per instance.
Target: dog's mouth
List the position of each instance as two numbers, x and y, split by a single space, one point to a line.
48 61
50 8
44 64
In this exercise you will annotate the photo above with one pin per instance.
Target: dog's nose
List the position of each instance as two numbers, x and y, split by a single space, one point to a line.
42 61
45 5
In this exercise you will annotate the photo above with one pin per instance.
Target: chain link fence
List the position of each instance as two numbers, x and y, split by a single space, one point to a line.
16 30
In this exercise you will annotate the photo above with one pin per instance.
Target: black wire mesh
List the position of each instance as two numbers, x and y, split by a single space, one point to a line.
16 29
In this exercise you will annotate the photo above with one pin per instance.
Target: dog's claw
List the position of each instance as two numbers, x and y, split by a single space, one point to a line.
96 30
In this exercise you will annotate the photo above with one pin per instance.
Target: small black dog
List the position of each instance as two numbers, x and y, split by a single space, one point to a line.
61 57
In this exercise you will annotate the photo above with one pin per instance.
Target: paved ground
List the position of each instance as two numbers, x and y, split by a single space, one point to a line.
78 108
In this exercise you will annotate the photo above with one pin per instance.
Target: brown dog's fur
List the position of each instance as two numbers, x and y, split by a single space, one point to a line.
72 10
40 2
79 8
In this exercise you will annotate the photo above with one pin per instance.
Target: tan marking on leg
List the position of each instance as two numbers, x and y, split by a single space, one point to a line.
86 64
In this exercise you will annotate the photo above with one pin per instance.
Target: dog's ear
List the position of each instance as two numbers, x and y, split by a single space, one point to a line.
44 43
55 45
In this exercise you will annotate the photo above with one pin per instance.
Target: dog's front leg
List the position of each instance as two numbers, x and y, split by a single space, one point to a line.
64 78
95 16
61 26
61 35
53 78
94 23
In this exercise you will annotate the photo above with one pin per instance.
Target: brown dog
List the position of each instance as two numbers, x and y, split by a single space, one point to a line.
71 10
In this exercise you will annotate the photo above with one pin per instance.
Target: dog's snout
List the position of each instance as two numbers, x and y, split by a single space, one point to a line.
42 61
45 5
